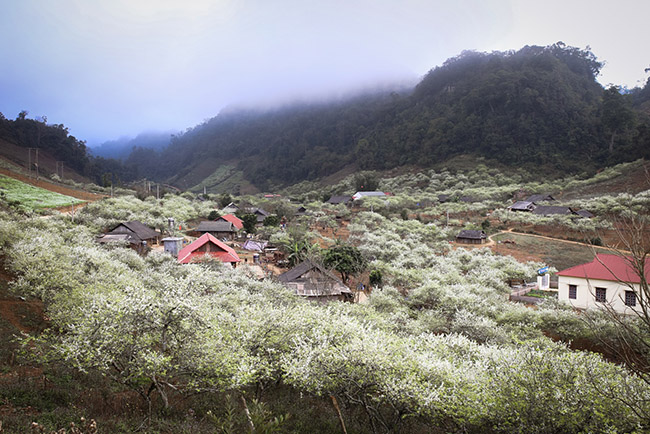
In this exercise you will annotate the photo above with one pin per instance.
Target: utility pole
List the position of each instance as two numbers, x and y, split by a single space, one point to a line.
59 164
157 191
29 151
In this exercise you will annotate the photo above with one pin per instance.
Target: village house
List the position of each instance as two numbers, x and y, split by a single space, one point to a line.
315 282
522 206
471 237
607 280
553 210
232 219
208 245
133 232
336 200
221 229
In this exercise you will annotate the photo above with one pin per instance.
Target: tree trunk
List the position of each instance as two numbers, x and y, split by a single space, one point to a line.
251 425
338 411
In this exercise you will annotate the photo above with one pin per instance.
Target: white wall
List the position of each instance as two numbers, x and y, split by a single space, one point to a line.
586 293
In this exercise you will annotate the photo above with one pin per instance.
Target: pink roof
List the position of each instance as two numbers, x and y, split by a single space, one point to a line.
225 254
607 267
234 220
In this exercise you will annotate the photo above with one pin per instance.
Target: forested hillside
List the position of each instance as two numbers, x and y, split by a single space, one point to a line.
539 107
56 145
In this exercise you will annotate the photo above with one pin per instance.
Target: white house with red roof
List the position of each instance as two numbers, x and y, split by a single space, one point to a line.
607 280
206 244
232 219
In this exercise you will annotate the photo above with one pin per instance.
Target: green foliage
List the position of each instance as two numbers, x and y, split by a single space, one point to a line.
214 214
225 200
365 181
375 277
249 221
272 220
344 258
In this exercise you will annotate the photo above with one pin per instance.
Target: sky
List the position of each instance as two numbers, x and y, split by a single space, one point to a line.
113 68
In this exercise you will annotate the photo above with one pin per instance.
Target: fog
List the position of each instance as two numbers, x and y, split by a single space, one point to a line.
108 69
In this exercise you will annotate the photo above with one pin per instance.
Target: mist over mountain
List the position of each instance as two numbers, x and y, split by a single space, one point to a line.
539 107
120 149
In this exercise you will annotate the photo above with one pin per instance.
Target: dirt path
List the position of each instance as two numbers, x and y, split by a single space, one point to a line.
491 242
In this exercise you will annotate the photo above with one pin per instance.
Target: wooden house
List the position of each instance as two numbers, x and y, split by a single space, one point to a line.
553 210
522 206
220 229
315 282
208 245
471 237
133 232
336 200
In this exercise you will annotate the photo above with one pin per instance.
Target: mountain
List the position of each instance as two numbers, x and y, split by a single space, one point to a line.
538 107
121 148
57 151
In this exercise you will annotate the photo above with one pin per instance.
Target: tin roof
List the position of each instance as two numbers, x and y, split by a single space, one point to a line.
607 267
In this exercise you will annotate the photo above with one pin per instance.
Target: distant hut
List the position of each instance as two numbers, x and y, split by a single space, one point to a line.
315 282
221 229
586 214
133 232
553 210
522 206
336 200
471 237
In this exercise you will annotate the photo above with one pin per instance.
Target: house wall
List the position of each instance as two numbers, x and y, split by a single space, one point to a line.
586 293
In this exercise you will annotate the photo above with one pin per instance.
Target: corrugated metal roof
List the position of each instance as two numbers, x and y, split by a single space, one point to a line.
234 220
218 226
225 252
607 267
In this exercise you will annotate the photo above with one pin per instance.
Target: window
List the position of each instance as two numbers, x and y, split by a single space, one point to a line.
601 295
573 291
630 298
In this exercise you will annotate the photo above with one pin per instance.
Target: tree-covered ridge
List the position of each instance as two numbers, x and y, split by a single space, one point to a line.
535 107
57 142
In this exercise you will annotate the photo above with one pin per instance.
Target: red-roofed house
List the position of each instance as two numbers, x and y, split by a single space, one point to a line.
232 219
608 279
206 244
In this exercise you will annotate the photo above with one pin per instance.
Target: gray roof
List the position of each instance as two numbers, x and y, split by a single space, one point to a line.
472 235
585 213
115 238
136 230
522 205
330 285
335 200
216 226
553 210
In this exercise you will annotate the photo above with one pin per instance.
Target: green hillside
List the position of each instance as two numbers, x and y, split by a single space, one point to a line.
539 108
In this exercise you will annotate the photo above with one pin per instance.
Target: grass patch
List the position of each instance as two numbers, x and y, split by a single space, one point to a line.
541 294
555 253
29 198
